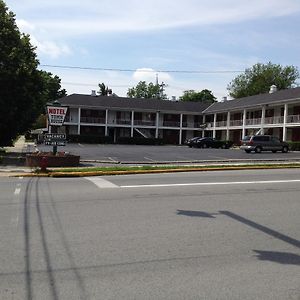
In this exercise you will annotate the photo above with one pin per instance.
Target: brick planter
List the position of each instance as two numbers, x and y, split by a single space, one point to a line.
59 160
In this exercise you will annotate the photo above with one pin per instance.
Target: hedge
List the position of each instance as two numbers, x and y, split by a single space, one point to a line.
89 139
139 141
294 146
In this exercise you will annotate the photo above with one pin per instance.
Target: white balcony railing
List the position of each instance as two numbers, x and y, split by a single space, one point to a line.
144 123
293 119
123 122
221 124
274 120
253 121
236 122
92 120
171 124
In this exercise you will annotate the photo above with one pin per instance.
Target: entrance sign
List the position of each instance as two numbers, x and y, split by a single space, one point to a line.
55 136
56 115
55 143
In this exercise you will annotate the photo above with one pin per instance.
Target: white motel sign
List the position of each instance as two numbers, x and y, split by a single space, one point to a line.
56 115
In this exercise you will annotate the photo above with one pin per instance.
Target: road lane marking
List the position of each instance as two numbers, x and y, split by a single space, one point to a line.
101 183
209 183
17 191
16 200
112 159
149 159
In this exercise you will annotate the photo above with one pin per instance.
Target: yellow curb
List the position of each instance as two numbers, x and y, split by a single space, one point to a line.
104 173
156 171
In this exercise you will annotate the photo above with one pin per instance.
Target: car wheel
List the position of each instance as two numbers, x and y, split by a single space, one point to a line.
247 151
258 150
204 146
285 149
274 151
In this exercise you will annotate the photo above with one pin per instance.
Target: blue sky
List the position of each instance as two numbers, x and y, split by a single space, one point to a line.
192 35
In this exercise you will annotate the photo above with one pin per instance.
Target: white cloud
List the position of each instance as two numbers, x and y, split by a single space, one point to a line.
44 47
24 25
149 75
50 48
93 16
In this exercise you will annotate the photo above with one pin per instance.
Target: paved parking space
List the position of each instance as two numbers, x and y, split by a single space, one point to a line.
167 153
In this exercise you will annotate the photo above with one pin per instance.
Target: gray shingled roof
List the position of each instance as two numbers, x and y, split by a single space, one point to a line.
255 101
108 102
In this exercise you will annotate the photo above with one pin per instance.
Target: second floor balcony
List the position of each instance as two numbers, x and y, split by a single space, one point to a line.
92 120
144 122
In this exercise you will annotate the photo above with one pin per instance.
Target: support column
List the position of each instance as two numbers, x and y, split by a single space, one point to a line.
156 124
285 114
180 129
79 117
106 122
244 123
263 114
214 128
132 123
228 125
203 130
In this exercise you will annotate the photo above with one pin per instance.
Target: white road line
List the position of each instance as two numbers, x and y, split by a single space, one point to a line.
209 183
101 183
110 158
16 200
17 191
149 158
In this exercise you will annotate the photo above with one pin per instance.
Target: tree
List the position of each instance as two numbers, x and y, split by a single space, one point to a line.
104 90
205 96
259 78
144 90
51 87
24 89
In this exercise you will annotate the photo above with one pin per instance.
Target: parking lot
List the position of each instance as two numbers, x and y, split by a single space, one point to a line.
166 153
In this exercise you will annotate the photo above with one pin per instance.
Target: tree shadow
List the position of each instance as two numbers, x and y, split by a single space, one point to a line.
194 213
279 257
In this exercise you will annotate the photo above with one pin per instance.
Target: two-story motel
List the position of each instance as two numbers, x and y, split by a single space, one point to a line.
276 113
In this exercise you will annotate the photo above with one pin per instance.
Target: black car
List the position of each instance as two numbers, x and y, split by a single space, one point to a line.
259 143
207 142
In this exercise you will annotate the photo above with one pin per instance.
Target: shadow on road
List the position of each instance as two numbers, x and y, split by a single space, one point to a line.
279 257
194 213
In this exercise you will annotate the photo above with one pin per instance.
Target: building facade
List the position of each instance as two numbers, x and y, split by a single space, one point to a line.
275 113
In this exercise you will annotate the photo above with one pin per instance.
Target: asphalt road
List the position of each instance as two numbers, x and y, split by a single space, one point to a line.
152 154
214 235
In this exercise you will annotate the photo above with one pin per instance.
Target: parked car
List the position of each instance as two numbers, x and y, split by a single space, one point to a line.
259 143
207 142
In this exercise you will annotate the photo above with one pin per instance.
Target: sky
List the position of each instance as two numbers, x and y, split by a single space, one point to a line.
188 45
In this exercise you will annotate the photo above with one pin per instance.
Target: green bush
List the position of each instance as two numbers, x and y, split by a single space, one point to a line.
89 139
139 141
294 146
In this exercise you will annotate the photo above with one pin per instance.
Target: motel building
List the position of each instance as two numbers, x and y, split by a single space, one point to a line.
276 113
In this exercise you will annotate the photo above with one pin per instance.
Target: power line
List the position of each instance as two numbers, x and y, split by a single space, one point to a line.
143 70
90 84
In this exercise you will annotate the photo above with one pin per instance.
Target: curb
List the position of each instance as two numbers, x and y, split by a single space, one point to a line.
175 170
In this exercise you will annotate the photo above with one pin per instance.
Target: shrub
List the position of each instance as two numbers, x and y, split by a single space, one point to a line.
139 141
294 146
90 139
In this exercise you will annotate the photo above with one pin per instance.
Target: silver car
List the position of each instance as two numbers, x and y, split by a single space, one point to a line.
259 143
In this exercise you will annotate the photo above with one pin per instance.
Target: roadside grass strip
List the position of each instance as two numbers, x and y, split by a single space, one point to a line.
102 171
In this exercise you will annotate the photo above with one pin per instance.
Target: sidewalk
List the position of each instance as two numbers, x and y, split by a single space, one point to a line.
21 146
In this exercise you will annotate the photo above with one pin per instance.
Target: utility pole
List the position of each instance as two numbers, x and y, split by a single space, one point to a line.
158 90
161 88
